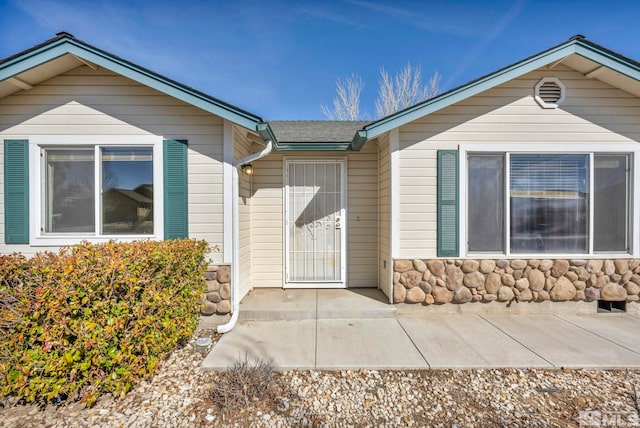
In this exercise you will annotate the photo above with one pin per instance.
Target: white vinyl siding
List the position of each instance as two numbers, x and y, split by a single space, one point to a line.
101 103
593 112
362 219
242 148
362 213
267 233
385 262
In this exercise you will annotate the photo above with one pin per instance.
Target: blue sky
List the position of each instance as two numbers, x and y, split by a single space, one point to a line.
280 59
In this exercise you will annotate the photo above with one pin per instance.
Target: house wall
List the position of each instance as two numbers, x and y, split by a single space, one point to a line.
593 112
362 222
385 261
242 148
88 102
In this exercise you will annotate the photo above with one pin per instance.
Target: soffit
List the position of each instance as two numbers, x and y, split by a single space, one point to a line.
39 74
592 70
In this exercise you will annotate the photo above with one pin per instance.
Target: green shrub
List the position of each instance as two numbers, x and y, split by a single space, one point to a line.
95 318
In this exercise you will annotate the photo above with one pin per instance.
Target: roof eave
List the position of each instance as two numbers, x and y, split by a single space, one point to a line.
576 45
266 133
456 95
358 140
69 45
313 147
608 59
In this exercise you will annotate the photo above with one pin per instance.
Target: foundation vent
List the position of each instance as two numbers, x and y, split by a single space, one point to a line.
607 307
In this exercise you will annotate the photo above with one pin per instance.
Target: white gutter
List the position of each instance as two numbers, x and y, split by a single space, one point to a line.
235 236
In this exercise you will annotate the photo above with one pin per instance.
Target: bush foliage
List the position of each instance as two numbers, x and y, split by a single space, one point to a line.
95 318
244 383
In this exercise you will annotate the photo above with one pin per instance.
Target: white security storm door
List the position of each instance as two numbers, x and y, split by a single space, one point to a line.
315 223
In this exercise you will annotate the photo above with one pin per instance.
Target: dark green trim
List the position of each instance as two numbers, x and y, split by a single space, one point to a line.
313 147
575 45
176 218
358 140
16 191
448 206
66 44
266 133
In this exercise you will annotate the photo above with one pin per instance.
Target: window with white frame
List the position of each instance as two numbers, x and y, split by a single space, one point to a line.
98 190
548 203
120 179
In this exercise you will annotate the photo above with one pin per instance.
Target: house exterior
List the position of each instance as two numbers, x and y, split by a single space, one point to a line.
518 186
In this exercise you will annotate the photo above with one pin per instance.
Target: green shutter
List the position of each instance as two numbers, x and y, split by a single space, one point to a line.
175 189
16 191
448 203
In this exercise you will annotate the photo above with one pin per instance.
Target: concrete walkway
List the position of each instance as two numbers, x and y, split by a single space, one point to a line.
353 329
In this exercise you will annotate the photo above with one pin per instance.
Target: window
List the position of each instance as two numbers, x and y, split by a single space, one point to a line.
120 179
611 202
525 203
548 197
486 202
96 188
127 191
69 192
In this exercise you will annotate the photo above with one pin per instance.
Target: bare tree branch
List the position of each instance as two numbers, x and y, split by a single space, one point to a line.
404 89
346 105
394 94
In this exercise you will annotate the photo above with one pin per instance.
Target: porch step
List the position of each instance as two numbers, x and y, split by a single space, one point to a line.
272 304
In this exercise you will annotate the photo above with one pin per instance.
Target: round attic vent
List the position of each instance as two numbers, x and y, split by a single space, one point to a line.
549 92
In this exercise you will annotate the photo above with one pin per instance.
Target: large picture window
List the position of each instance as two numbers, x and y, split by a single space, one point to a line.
549 203
524 203
98 191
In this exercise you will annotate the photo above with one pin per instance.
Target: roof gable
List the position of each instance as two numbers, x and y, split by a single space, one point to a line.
577 45
65 44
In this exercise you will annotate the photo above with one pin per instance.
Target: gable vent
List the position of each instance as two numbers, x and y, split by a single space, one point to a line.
550 92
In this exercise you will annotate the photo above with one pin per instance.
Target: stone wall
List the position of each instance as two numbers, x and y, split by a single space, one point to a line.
463 281
218 293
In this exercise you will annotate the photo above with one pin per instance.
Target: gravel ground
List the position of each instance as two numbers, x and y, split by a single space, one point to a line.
179 395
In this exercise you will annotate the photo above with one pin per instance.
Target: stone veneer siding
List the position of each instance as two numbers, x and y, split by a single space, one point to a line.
463 281
217 297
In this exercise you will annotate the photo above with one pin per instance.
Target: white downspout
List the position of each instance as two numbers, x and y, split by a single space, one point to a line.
235 236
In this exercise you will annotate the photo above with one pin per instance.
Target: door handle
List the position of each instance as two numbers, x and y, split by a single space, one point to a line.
338 222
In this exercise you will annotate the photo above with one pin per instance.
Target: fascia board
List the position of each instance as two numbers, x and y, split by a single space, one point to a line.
266 132
358 140
311 147
466 91
66 46
607 60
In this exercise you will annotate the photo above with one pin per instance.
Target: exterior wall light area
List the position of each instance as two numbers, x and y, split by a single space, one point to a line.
247 169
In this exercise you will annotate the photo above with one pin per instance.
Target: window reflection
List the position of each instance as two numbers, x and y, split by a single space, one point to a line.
127 191
69 191
549 203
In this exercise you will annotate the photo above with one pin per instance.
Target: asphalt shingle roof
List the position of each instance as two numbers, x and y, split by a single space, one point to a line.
315 131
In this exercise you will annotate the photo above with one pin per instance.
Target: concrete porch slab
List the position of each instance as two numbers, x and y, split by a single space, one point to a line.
466 342
272 304
562 343
354 303
289 344
212 321
365 343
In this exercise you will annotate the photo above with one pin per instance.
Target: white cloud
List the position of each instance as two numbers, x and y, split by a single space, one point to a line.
416 18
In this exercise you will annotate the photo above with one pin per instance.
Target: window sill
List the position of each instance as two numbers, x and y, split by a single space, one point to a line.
538 256
59 241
